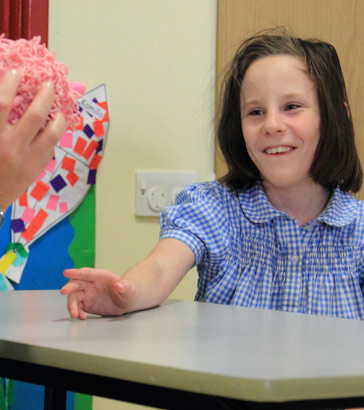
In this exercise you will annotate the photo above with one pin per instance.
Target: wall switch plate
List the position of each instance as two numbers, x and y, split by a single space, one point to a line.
156 189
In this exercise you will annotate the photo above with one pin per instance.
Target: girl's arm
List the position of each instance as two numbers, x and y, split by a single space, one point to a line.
146 284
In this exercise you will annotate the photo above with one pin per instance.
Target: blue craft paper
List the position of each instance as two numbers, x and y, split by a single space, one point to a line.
32 397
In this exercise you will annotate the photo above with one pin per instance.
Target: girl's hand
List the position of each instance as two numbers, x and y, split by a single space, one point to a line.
145 285
97 291
24 152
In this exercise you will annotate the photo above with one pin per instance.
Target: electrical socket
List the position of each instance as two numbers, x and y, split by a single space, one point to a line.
156 189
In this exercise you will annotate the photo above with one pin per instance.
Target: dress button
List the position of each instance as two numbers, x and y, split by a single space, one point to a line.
295 258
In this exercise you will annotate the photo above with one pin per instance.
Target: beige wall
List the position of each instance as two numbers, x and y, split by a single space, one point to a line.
157 59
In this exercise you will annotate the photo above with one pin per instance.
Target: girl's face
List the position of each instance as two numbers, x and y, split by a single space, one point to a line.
280 120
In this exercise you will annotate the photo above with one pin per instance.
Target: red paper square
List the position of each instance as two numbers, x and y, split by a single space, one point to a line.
39 190
90 149
99 128
23 200
95 161
80 146
72 178
68 163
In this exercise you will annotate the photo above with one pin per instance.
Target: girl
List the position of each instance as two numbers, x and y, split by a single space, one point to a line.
280 230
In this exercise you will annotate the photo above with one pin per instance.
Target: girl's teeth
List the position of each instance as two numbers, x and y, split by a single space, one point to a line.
277 150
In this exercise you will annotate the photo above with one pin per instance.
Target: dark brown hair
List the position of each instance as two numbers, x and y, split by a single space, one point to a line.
336 161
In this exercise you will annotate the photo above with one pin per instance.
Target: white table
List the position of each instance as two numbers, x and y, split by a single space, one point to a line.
183 352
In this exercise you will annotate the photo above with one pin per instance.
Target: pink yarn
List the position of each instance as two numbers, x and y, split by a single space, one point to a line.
37 65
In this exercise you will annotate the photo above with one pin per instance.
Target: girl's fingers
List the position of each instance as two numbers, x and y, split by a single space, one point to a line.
74 286
75 304
82 315
8 87
86 274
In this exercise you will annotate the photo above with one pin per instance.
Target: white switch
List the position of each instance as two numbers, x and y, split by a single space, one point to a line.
156 189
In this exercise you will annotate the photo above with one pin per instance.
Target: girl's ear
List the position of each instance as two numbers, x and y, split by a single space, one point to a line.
347 109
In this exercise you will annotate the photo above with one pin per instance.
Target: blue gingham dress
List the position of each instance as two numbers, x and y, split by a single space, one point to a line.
250 254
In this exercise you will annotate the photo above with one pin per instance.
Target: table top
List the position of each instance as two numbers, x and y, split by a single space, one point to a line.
234 352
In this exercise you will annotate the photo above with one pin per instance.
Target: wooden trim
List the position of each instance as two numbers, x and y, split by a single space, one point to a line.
35 19
220 167
15 19
5 17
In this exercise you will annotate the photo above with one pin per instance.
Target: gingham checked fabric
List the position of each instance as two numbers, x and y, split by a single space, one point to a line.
250 254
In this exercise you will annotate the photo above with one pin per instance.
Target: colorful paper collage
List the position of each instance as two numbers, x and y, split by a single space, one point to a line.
61 187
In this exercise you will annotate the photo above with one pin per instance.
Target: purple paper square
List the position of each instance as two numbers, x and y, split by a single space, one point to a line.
88 131
17 225
91 179
99 147
95 100
58 183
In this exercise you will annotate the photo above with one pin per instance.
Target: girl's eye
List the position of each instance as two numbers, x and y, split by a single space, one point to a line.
292 107
256 112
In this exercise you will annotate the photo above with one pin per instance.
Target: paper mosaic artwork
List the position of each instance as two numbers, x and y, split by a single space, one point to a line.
61 187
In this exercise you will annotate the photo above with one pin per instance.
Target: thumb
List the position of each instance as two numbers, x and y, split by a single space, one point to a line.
122 293
121 287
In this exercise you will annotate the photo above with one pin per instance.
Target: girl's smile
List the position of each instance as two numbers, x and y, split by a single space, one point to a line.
278 150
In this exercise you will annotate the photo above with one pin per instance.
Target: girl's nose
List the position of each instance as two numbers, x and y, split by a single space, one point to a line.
273 123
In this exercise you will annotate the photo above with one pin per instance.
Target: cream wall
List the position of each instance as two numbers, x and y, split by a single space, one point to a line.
157 59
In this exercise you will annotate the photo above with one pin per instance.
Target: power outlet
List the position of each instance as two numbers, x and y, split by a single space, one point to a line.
156 189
